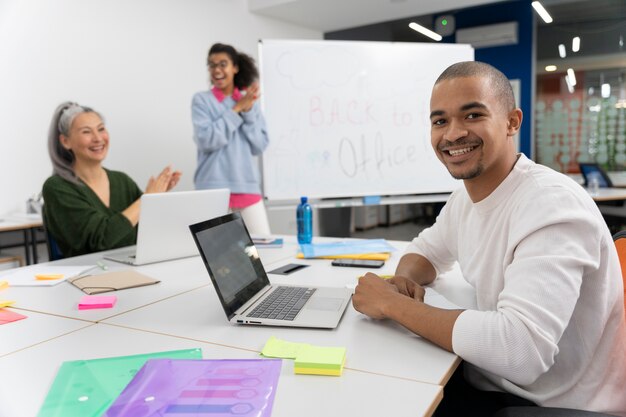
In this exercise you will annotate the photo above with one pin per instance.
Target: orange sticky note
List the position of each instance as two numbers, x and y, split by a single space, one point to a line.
6 303
48 277
4 285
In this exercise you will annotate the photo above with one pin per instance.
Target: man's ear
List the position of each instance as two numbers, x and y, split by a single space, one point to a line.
514 122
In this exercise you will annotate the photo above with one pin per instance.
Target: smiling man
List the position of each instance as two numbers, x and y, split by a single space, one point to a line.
549 326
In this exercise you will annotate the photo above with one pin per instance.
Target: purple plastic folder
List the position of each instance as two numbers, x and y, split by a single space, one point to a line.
185 388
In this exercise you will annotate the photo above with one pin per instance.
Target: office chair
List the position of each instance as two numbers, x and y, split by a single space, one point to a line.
546 412
54 252
620 244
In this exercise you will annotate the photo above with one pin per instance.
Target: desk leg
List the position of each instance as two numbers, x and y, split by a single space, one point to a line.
27 246
33 237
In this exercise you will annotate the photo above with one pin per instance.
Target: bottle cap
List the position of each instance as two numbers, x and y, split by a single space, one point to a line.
303 199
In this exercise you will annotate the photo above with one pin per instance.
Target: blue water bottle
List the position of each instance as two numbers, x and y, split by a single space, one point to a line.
304 216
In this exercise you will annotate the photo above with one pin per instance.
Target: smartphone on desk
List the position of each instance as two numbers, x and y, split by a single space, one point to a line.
358 263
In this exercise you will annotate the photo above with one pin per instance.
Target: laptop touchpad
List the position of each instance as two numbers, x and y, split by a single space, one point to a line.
325 303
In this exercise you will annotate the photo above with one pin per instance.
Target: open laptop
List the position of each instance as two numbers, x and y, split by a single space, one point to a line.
244 290
164 224
589 170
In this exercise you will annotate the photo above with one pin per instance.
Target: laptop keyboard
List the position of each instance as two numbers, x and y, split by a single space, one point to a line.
283 303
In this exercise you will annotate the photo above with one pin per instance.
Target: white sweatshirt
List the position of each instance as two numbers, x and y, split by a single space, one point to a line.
550 321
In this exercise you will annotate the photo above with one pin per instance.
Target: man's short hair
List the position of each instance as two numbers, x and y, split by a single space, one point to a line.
501 85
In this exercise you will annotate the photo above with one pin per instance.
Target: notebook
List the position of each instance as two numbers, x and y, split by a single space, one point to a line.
111 281
163 224
244 289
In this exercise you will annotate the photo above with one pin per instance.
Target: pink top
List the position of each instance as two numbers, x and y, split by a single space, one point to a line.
221 96
240 201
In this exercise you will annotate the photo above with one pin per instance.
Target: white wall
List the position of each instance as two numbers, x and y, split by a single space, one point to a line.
138 62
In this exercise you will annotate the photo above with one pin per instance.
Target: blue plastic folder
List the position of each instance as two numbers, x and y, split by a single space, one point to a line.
314 250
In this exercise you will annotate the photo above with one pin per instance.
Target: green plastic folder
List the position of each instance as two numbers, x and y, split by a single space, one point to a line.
87 388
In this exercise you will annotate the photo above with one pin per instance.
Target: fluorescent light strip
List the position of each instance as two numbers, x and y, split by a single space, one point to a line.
426 32
562 52
570 87
541 11
550 68
605 90
575 44
571 76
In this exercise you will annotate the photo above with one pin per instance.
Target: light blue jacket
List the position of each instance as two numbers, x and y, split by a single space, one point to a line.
227 142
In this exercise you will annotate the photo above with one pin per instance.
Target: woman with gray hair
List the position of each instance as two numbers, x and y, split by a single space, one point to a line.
89 208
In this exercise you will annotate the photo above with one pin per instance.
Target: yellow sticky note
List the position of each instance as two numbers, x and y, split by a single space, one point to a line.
48 277
314 371
6 303
382 276
320 360
277 348
4 285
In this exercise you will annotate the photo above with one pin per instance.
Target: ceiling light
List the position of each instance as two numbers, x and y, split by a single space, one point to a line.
605 90
550 68
575 44
571 76
541 11
427 32
562 52
570 87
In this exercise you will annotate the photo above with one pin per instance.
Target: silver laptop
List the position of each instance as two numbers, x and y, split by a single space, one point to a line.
244 289
164 224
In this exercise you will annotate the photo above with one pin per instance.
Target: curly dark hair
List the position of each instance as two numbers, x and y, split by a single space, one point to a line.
248 72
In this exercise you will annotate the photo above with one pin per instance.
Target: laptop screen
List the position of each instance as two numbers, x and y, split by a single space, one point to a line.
592 170
231 259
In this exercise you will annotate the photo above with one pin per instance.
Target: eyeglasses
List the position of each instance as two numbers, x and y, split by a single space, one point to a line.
221 65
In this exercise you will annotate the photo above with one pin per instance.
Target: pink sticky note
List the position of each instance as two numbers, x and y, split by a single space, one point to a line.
8 316
96 301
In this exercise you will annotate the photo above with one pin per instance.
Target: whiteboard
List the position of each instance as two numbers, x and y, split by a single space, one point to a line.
349 119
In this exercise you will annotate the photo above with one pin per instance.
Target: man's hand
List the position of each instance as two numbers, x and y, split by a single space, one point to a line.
408 287
373 296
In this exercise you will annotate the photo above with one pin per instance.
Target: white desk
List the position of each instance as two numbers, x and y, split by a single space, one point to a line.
198 315
389 371
31 372
34 329
28 224
608 194
176 277
62 299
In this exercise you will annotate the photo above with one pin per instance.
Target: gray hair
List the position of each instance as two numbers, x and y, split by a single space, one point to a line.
63 159
500 84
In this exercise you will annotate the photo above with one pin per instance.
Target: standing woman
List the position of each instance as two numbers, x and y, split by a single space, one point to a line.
88 208
229 130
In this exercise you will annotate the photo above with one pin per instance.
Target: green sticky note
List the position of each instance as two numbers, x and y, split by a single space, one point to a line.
87 388
277 348
321 357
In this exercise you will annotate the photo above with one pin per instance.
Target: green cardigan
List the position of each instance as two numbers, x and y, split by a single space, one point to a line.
81 223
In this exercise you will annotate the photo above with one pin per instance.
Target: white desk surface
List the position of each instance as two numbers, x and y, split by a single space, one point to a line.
34 329
198 315
32 371
19 221
183 311
177 276
608 194
372 346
